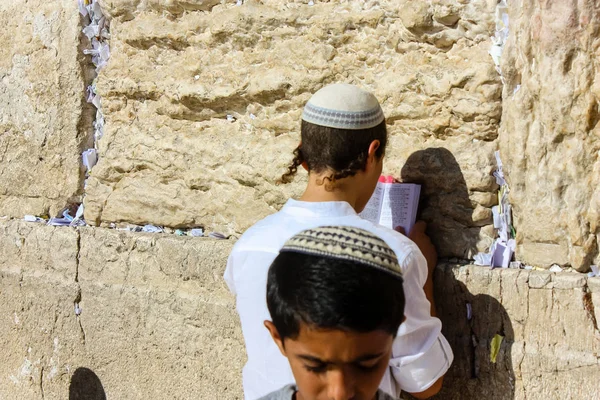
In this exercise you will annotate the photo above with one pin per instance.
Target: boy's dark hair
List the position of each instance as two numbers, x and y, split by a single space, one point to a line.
343 151
329 293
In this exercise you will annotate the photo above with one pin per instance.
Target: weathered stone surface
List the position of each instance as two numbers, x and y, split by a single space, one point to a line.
155 305
157 320
150 297
551 338
177 69
43 114
550 136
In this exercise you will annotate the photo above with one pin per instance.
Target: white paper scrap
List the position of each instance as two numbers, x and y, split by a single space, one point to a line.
555 268
483 259
515 264
91 31
32 218
89 158
517 88
595 271
497 218
502 253
82 9
152 229
197 232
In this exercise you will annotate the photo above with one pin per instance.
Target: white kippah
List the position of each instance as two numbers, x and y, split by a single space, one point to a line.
343 106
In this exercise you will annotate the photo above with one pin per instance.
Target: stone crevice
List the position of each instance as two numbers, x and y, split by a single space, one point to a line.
82 330
77 255
42 380
588 305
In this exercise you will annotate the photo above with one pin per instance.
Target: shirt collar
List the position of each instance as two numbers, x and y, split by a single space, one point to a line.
320 209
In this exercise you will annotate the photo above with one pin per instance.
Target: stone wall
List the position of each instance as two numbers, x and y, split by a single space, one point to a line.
550 136
148 316
549 324
170 156
44 120
156 321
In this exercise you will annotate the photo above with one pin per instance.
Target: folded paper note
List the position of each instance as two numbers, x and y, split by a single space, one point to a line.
495 347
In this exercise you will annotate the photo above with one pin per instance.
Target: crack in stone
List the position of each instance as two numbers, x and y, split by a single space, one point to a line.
82 330
588 305
42 380
500 282
77 255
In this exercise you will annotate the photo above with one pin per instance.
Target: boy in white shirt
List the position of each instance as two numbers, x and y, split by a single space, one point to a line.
343 140
336 301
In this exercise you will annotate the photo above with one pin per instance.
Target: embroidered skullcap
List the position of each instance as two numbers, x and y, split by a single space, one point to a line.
345 243
343 106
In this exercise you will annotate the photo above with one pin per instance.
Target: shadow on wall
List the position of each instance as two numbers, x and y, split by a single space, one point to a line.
473 375
85 385
445 203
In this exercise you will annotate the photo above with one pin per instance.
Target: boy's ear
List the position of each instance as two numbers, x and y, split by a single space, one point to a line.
304 163
275 335
373 147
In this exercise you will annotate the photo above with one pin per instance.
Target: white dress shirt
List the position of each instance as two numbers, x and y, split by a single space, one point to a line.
420 353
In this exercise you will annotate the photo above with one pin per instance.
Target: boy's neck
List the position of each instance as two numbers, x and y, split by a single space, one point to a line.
344 190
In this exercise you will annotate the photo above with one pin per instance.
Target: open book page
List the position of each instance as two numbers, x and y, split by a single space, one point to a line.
372 210
399 205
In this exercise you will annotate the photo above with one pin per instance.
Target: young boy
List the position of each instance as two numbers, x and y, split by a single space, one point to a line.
343 140
336 301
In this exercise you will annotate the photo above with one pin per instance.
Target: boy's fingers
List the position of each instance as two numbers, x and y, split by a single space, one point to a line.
418 228
400 229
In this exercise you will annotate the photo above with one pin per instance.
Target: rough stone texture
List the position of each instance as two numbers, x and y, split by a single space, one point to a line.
177 69
551 346
157 320
42 108
550 136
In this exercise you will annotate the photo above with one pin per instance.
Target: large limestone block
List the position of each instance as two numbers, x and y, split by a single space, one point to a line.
549 327
43 114
40 336
31 249
550 134
158 304
156 318
469 304
170 157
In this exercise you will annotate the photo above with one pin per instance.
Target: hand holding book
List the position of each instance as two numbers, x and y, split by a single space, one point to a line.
393 204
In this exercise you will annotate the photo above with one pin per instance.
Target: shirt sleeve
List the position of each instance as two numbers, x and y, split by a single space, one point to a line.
228 275
420 353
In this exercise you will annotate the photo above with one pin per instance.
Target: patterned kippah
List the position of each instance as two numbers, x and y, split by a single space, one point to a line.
345 243
343 106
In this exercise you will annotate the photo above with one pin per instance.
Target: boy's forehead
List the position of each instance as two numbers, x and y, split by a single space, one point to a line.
338 346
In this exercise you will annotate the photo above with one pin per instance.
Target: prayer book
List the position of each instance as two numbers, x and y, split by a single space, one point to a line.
393 204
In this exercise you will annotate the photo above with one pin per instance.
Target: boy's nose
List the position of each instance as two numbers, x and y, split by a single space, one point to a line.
339 386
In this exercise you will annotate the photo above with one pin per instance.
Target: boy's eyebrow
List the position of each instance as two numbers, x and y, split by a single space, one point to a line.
312 359
368 357
365 357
